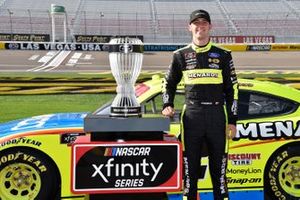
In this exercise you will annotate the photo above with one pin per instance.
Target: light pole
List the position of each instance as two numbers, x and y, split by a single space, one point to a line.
84 12
30 21
100 25
10 20
57 10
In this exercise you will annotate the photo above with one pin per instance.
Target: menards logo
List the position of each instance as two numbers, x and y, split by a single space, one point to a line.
268 130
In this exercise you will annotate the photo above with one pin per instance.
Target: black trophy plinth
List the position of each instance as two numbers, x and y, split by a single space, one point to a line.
106 128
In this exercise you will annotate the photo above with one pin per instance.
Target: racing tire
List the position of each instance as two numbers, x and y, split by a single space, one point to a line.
282 174
27 174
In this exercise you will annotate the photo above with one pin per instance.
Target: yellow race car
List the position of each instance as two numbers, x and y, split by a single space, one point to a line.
264 157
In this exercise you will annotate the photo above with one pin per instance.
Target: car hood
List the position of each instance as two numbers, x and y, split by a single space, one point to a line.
43 122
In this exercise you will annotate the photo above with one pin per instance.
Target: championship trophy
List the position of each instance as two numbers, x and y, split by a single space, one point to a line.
125 57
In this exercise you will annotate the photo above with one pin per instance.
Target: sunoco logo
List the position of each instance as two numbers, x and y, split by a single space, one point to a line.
110 167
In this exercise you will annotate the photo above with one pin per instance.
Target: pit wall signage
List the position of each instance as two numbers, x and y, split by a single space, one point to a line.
126 167
25 37
34 46
102 38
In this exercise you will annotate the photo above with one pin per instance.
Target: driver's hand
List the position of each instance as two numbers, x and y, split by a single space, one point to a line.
231 131
168 111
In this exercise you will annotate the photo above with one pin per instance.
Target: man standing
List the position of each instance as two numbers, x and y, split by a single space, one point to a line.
210 83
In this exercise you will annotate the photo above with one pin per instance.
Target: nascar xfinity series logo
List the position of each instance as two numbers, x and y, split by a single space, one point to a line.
101 167
143 167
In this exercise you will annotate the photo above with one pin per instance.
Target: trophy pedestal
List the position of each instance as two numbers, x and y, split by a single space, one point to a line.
104 128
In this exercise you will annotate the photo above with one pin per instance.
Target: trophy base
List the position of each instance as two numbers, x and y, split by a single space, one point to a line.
125 112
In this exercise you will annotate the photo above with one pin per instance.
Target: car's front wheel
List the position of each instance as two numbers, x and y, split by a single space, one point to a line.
282 174
26 174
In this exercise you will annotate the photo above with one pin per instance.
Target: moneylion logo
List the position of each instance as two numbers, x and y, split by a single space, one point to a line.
126 169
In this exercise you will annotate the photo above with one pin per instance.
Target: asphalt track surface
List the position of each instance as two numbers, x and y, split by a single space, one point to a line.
87 61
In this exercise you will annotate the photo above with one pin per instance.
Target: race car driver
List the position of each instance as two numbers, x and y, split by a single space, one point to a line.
210 110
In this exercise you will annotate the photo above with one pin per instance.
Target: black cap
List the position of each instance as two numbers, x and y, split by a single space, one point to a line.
199 14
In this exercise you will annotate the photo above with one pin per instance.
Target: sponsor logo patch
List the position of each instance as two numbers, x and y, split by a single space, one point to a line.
213 66
214 60
213 55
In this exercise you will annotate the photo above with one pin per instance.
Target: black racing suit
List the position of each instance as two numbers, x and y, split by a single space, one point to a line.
210 83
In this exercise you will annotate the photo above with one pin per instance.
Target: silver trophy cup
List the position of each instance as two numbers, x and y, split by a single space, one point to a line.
125 57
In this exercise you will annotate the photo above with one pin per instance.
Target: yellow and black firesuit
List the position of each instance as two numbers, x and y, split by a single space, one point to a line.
210 83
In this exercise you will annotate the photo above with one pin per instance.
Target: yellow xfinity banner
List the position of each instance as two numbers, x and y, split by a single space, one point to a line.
285 47
2 45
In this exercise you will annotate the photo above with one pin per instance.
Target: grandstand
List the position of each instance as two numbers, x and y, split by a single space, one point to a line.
159 21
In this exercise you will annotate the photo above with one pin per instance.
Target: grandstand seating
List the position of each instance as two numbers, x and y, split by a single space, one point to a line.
172 16
258 15
114 17
157 20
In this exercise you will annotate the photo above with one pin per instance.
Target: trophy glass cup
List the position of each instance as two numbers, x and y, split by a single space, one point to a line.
125 57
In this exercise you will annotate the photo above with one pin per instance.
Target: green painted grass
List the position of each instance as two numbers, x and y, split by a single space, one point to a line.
67 75
19 106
